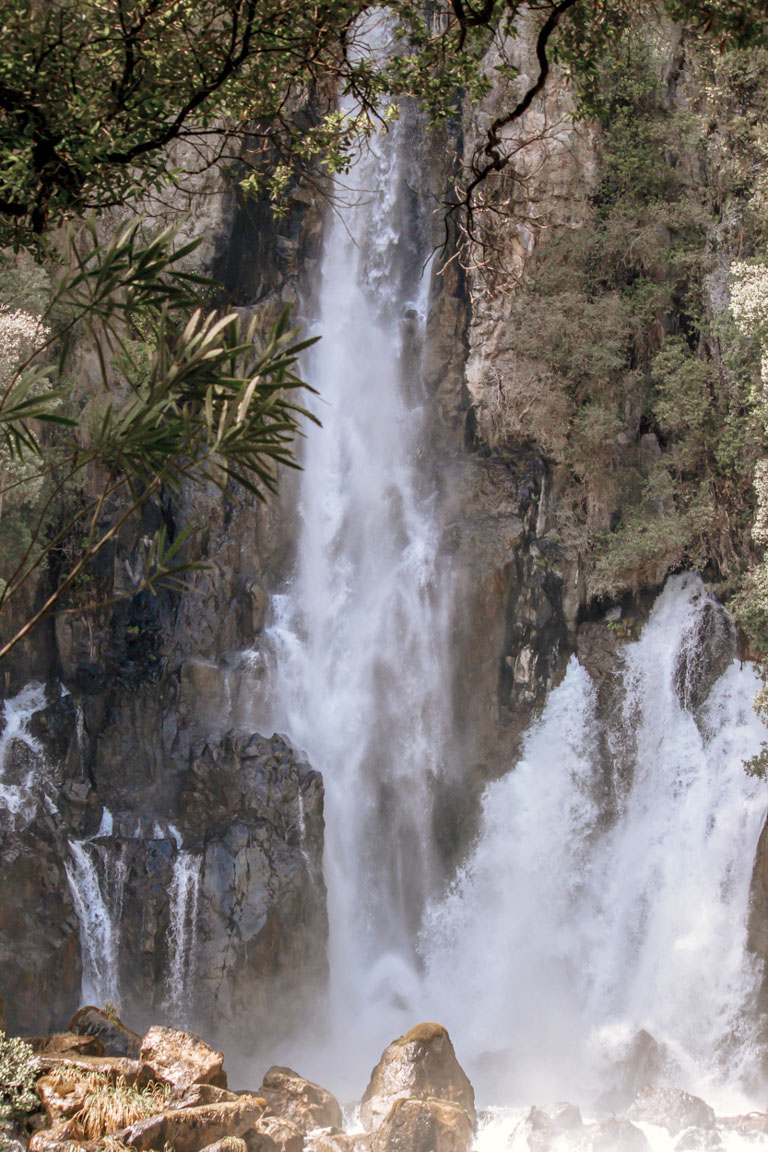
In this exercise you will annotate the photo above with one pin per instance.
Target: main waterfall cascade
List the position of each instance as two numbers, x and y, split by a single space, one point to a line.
360 636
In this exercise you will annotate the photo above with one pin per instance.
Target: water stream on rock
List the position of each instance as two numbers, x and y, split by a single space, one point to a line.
96 879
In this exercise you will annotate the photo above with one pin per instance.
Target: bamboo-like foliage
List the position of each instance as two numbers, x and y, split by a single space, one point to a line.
214 402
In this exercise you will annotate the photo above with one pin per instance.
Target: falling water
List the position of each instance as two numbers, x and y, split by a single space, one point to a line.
360 635
17 773
184 895
572 924
97 884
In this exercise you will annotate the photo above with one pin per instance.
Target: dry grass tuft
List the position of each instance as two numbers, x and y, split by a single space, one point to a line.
109 1107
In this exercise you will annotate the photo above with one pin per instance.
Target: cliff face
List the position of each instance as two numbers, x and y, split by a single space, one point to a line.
568 483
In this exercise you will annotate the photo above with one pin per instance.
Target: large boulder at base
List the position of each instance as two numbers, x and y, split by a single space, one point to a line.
424 1126
192 1129
306 1104
671 1108
274 1134
419 1065
228 1144
117 1038
561 1123
180 1058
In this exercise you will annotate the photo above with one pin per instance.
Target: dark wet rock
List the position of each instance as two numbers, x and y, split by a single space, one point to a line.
671 1108
420 1064
117 1039
708 650
306 1104
643 1063
67 1044
40 965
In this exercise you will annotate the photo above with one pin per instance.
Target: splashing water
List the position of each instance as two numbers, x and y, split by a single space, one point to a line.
184 896
97 884
360 636
571 926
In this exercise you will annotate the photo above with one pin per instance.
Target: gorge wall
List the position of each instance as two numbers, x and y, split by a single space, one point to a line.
160 847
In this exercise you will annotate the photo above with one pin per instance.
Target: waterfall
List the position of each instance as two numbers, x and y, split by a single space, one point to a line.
97 885
571 926
184 895
359 637
18 772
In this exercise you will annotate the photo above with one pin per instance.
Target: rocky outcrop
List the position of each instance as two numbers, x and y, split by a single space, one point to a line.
306 1104
180 1058
423 1126
214 903
421 1065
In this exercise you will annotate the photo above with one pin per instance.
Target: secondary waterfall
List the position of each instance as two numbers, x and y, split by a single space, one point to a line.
360 636
576 922
97 880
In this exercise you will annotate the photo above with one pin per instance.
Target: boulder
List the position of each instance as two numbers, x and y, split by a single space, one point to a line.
180 1058
274 1134
699 1140
54 1140
424 1126
62 1096
199 1094
642 1063
299 1100
67 1044
671 1108
616 1135
116 1038
419 1065
561 1116
191 1129
329 1140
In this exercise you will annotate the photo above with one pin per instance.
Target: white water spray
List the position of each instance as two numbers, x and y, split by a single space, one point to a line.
570 927
360 636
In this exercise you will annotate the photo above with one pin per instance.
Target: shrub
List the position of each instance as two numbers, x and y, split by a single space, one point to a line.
18 1072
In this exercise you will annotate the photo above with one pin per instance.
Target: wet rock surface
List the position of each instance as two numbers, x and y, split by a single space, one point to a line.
306 1104
420 1065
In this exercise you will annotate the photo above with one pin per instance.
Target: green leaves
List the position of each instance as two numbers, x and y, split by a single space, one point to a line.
184 397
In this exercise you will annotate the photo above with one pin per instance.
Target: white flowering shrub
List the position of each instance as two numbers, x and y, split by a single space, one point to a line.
18 1072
